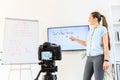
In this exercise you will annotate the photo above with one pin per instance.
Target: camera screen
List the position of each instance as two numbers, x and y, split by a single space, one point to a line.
46 55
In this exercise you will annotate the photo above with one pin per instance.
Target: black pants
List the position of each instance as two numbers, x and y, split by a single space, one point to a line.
94 64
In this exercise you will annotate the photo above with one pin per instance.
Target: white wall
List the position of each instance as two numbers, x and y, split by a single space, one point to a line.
50 13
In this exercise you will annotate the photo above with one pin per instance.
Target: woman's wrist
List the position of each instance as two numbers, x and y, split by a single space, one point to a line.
106 60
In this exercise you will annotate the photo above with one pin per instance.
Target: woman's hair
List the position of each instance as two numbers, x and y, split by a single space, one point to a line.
104 23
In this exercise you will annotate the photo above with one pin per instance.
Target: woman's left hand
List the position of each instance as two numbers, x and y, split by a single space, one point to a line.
105 65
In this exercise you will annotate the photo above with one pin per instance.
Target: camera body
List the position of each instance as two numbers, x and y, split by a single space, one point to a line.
49 52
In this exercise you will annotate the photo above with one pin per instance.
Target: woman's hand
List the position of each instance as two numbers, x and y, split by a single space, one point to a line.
78 40
105 65
72 38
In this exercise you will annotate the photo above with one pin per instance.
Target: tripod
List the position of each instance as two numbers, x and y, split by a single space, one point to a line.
47 76
48 67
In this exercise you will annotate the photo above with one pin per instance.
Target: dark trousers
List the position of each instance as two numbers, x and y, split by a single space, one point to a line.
94 65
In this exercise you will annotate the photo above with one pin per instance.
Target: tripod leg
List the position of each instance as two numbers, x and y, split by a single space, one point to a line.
50 77
55 77
38 75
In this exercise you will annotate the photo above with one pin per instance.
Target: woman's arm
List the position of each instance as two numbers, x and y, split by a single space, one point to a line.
84 43
106 52
105 44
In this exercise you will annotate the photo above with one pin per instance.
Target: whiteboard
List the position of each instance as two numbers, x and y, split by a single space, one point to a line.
20 44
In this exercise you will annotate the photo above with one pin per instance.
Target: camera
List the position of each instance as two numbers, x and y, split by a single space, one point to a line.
47 54
49 51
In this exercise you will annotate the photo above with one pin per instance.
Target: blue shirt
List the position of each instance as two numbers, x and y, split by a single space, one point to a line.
95 41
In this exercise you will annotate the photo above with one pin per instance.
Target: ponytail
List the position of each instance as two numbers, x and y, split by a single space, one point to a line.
104 23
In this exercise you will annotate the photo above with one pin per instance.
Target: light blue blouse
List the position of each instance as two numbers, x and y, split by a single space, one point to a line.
94 40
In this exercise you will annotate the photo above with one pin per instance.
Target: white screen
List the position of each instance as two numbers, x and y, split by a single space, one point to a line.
60 36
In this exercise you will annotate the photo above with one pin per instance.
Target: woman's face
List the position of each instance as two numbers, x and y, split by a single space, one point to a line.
91 20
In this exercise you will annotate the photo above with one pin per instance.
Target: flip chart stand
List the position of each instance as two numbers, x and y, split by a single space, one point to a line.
20 69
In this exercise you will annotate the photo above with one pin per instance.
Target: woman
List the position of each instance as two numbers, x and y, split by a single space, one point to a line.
97 47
